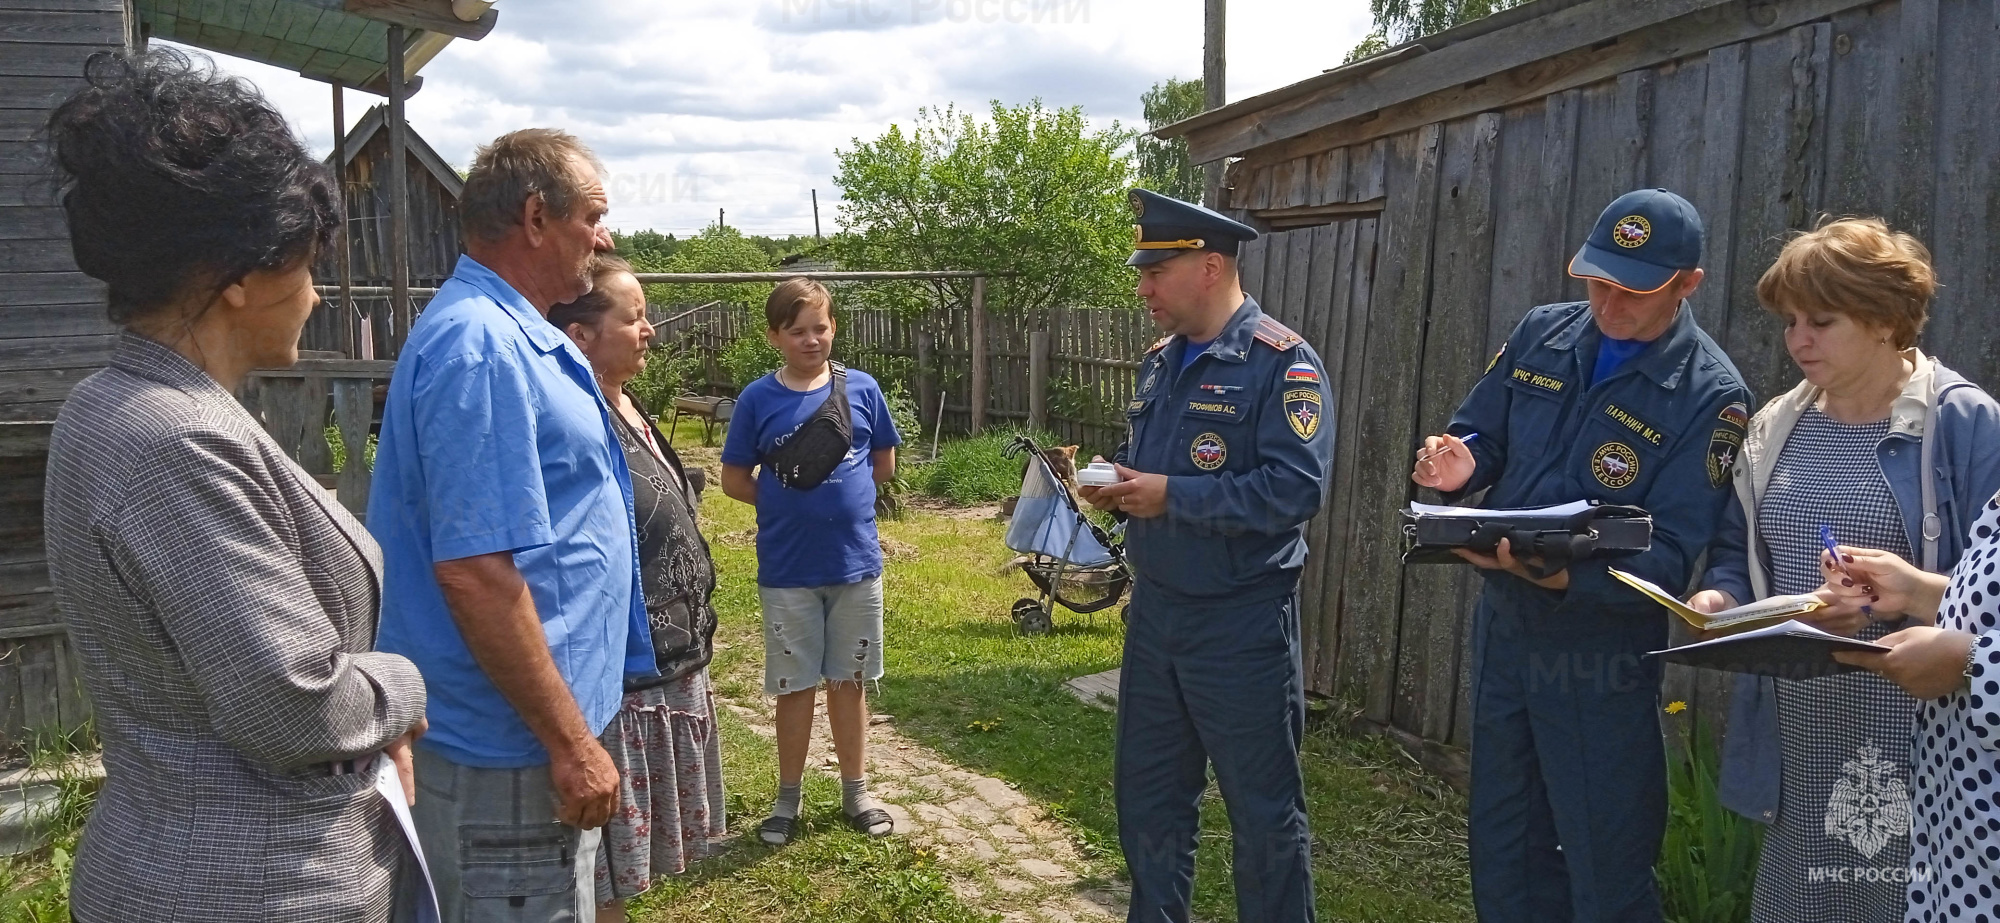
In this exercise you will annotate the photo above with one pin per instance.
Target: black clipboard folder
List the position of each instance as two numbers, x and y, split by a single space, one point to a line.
1559 535
1791 650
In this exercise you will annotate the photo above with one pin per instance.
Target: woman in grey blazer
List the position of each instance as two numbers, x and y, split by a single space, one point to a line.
222 605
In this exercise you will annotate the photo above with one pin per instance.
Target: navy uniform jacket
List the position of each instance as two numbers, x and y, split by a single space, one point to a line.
1661 432
1245 439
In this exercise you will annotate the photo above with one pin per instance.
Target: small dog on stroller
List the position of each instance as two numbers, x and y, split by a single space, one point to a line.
1070 559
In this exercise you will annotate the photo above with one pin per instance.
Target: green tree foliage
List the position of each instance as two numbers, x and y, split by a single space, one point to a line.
1026 189
648 251
1399 21
716 249
1376 43
1163 163
777 248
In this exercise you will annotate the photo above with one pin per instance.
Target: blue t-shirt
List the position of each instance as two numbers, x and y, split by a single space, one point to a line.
1612 353
1191 351
824 536
495 438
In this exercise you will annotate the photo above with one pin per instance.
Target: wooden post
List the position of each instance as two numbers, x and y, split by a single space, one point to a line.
981 362
926 366
353 410
1213 59
399 198
350 330
1038 380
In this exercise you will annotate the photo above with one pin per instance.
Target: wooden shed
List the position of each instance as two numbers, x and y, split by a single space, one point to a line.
432 191
53 330
1422 201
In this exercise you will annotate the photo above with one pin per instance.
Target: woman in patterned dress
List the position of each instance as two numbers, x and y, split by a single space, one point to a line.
1954 668
664 738
1848 449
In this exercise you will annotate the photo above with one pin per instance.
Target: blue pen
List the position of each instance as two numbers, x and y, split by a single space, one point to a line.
1833 548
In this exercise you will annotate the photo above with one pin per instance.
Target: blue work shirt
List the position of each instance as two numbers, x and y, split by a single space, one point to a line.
824 536
495 438
1612 353
1661 432
1242 434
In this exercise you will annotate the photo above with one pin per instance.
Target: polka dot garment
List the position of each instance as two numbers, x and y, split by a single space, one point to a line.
1955 844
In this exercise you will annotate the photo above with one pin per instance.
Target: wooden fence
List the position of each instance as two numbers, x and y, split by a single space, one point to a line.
1069 371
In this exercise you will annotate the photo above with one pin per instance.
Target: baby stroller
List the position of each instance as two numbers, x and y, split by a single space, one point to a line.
1070 559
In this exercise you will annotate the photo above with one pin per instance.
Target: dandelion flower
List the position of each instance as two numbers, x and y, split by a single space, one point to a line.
1676 707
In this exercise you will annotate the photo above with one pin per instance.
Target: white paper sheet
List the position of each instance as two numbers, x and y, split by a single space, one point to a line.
1563 509
1794 629
389 784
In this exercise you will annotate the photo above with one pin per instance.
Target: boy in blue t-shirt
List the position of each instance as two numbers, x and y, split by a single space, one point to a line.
819 563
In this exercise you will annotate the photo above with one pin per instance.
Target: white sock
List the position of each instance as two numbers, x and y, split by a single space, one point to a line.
855 800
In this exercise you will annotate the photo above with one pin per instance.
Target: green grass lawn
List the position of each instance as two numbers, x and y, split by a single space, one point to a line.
1389 840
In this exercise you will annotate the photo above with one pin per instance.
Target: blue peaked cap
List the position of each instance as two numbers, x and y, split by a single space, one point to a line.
1166 228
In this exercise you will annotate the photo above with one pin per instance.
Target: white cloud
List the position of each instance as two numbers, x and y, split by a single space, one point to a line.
696 105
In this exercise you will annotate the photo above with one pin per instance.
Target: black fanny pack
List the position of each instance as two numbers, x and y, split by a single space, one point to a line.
810 454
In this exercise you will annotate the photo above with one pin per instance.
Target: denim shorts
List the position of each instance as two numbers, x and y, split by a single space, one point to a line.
823 632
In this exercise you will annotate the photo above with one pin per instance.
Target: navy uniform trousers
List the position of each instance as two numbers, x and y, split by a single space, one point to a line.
1566 750
1206 684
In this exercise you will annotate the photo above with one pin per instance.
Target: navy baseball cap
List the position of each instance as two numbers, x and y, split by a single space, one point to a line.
1640 242
1167 228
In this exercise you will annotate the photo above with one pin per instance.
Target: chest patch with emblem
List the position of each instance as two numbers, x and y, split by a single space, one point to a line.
1639 427
1534 379
1302 411
1615 465
1302 371
1208 451
1152 378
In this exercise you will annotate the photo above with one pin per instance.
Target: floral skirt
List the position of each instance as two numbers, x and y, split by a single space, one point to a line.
669 759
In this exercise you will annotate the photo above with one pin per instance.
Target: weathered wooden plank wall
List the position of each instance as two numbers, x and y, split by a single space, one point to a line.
53 332
1839 114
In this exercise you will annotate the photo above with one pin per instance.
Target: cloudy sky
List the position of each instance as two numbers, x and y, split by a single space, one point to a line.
696 105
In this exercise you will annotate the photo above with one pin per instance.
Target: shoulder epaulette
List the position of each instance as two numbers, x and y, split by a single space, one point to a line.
1276 335
1162 344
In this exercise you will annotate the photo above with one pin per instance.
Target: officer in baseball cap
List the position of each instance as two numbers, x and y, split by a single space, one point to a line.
1622 399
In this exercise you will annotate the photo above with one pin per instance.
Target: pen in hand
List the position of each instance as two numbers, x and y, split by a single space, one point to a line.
1833 548
1440 450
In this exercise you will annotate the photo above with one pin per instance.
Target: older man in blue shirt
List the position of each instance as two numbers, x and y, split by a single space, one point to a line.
504 510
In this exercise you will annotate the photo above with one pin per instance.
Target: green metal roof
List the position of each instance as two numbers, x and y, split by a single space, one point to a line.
316 38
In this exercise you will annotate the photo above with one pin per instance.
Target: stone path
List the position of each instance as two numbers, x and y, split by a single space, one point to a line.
1008 857
1098 690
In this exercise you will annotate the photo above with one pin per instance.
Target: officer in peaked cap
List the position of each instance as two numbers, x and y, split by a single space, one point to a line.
1621 399
1226 460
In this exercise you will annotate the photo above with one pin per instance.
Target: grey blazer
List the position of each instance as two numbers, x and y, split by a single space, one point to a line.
223 607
